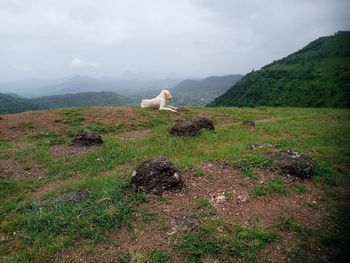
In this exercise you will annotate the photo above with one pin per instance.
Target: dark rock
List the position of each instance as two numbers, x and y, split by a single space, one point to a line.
293 164
204 123
261 146
191 127
185 128
184 224
156 175
248 123
66 198
87 138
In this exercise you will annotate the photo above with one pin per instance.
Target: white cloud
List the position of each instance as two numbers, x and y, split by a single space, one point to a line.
22 68
188 37
94 64
76 62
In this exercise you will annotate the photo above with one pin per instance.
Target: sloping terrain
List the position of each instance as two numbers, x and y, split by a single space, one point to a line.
62 203
316 76
201 92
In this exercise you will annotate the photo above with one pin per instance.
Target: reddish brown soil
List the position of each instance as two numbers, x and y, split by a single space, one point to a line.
133 135
64 151
40 121
52 120
15 169
231 197
109 115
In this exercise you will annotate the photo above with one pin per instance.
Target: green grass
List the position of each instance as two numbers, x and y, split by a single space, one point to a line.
220 241
102 128
159 256
300 188
197 172
324 134
271 187
73 117
5 143
48 138
288 224
46 230
23 126
203 203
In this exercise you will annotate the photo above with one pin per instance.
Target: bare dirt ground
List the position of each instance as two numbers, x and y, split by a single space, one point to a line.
11 125
231 198
14 169
133 135
64 151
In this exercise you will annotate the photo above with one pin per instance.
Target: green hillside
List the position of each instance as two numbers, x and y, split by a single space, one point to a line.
12 104
316 76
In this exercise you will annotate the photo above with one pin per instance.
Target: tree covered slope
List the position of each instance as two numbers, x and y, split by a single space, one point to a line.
316 76
12 104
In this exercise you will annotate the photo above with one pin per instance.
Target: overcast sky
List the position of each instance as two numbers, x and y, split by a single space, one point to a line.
190 38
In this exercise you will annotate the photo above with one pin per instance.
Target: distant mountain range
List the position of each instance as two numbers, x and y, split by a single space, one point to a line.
33 87
318 75
87 91
11 104
201 92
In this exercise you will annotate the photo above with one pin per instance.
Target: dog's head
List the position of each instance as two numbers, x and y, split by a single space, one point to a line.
166 94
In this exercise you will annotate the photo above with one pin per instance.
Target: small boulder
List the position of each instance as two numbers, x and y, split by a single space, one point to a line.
204 123
293 164
156 175
185 128
248 123
87 138
184 224
191 127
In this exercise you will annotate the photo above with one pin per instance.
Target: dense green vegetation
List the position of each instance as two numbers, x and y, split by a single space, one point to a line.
32 232
316 76
11 104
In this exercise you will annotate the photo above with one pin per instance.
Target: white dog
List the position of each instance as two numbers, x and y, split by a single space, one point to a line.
159 102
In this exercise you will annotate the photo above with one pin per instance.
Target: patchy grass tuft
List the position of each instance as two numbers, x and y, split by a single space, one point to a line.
224 242
203 203
288 223
271 187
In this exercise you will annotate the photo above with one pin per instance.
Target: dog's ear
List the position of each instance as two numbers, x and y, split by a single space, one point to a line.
165 93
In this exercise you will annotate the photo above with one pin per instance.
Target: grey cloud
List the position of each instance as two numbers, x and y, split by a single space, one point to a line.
185 37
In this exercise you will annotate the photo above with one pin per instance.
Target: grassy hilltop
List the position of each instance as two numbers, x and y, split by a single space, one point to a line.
318 75
264 216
